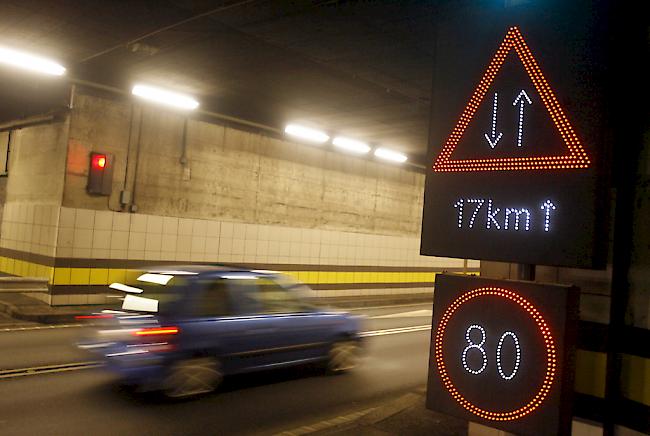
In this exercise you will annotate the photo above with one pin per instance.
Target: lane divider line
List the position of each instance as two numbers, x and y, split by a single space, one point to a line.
44 327
394 331
36 370
48 369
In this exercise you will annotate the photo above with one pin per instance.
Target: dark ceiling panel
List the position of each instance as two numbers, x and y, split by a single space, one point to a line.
362 68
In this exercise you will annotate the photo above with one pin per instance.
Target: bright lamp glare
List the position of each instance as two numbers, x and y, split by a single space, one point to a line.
165 97
391 155
30 62
351 145
302 132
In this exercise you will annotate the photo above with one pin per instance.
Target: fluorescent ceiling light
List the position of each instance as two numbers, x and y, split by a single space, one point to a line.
178 273
30 62
125 288
351 145
165 97
391 155
160 279
140 304
306 133
239 277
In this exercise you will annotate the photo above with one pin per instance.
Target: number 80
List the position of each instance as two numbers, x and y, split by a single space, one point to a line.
484 360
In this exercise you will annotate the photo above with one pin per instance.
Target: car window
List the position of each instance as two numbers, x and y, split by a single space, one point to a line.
244 295
213 299
263 295
300 291
276 299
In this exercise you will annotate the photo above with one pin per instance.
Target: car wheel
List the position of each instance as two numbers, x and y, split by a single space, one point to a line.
191 377
343 356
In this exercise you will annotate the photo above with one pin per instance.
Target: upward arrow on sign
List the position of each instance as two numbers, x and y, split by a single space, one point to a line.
575 157
520 101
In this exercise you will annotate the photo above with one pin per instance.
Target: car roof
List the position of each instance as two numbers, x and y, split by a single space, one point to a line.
205 269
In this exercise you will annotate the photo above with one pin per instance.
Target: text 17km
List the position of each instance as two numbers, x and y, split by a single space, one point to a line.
476 212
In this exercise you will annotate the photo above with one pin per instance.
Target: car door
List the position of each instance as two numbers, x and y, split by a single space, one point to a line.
301 333
215 326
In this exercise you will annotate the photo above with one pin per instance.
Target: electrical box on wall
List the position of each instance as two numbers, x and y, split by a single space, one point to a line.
100 174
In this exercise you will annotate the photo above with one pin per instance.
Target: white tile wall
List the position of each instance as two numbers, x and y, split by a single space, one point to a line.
30 227
116 235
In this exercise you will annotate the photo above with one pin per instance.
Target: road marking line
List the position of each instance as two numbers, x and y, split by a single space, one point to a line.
21 372
390 306
44 327
395 331
409 314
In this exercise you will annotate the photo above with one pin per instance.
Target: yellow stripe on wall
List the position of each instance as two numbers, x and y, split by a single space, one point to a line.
336 277
635 378
26 269
106 276
591 370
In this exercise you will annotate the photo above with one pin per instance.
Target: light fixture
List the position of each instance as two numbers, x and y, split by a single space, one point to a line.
165 97
306 133
125 288
391 155
160 279
351 145
30 62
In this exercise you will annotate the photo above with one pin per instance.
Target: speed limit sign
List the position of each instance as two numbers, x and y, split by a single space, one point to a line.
502 353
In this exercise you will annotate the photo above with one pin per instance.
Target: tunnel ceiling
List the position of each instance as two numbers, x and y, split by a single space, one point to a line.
358 68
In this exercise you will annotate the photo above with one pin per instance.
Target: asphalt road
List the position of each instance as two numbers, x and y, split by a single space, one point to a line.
82 402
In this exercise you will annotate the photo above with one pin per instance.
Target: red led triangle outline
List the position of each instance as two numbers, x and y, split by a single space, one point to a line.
577 157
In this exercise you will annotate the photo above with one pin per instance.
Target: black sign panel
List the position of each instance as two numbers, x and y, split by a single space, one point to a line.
502 353
518 170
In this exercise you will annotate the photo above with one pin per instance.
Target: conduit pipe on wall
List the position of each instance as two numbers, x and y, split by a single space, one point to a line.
27 122
125 197
133 207
183 159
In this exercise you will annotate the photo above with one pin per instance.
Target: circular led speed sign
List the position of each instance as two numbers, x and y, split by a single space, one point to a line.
476 339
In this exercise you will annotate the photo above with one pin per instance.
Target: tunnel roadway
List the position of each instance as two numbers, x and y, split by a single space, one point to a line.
75 398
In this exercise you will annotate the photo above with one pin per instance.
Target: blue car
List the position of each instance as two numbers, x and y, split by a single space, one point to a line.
182 329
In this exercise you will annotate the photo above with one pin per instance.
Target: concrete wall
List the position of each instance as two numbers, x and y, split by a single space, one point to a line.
236 175
38 155
345 225
34 189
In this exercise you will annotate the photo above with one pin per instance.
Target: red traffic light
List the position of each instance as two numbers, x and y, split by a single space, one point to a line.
99 161
100 174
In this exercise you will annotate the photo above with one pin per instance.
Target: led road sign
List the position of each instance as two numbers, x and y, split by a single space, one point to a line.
517 170
502 353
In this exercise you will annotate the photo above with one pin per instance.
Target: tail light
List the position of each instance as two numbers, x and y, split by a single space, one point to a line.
156 331
93 316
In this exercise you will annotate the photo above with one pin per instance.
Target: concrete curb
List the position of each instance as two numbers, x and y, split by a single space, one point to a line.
42 318
367 419
49 315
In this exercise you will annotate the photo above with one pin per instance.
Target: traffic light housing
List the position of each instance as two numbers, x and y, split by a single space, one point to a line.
100 174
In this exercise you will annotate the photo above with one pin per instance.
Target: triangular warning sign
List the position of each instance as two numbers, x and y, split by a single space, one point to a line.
575 158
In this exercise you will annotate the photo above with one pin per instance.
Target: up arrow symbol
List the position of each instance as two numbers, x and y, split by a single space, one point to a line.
494 138
521 102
